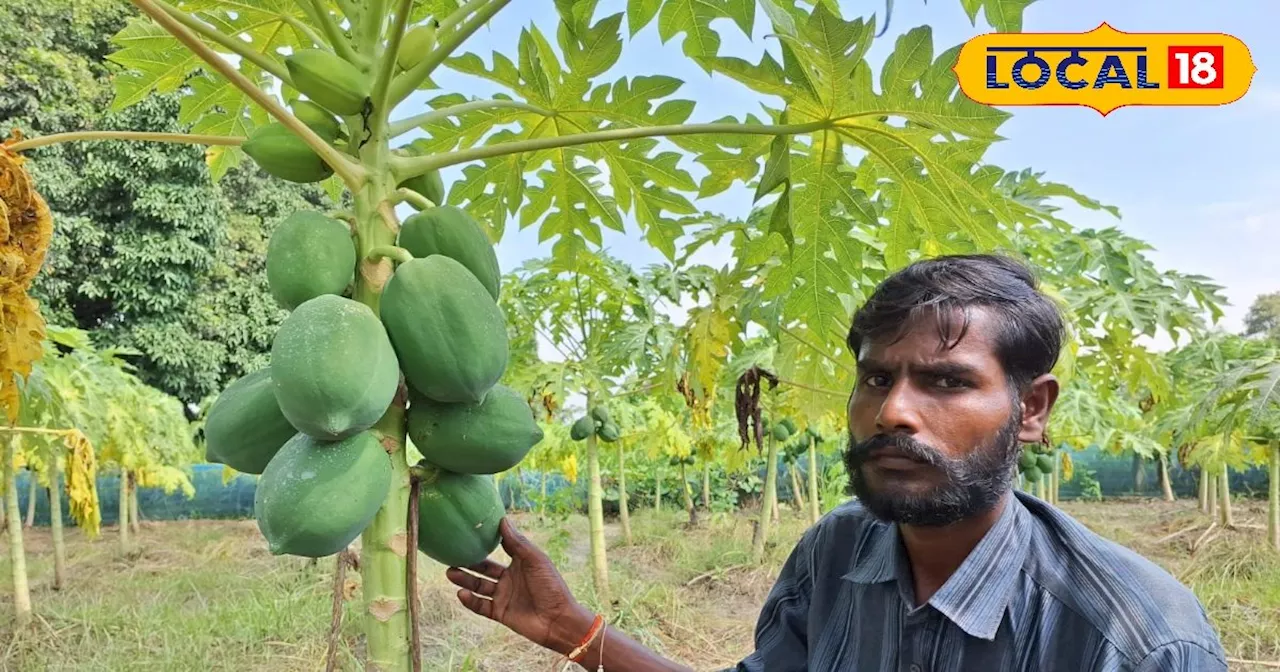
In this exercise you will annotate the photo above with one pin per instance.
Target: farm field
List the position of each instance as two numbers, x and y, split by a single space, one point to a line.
209 591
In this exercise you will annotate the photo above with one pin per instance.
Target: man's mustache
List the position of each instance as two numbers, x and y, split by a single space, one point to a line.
901 443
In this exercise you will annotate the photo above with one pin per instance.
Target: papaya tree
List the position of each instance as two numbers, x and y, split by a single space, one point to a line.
350 67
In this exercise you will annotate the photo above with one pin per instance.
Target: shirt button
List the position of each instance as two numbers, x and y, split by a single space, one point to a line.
916 667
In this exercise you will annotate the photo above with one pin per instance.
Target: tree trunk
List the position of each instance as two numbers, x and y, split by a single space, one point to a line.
123 501
815 507
1202 484
768 503
624 508
1224 490
542 504
33 486
688 495
17 556
1139 474
1212 493
706 485
134 520
801 506
1273 498
595 513
1055 478
1166 486
55 528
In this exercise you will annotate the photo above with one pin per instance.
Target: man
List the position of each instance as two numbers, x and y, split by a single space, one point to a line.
939 565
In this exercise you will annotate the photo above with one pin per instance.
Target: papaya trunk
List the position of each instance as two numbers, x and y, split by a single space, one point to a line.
384 543
1165 486
624 508
134 520
1224 491
595 512
1202 484
17 556
797 497
706 485
1273 498
815 507
33 487
1212 494
123 501
688 495
55 529
1055 478
768 503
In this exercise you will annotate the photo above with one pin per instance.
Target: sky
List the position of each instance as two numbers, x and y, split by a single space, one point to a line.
1201 185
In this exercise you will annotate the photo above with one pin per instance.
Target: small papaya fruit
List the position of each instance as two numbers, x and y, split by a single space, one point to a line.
450 231
429 184
608 432
1044 463
484 438
245 428
601 414
416 44
458 517
329 80
317 119
281 153
309 254
582 428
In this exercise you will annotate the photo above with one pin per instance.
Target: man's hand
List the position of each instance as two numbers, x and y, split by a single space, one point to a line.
528 596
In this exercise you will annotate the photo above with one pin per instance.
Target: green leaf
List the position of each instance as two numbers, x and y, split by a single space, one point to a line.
1003 15
693 19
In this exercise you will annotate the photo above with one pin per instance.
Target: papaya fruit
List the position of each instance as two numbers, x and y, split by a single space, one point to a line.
608 432
582 428
448 333
1032 476
451 232
416 44
281 153
1045 463
780 432
458 517
601 414
1027 460
308 255
317 119
430 185
329 80
484 438
244 428
315 497
789 424
333 367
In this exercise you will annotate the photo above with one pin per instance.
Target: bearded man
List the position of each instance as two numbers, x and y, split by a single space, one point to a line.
938 564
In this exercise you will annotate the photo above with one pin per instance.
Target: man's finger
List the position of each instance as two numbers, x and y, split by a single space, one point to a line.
488 568
471 582
514 543
475 603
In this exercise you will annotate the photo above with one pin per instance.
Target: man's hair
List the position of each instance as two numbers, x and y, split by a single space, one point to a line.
1029 327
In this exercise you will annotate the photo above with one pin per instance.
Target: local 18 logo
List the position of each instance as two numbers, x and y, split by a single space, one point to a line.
1104 69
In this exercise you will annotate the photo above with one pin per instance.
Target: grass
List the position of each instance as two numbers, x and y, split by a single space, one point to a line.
207 595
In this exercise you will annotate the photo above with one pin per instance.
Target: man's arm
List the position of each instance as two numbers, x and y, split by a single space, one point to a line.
1183 656
530 597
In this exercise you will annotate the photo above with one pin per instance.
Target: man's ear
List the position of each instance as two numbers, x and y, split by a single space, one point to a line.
1037 404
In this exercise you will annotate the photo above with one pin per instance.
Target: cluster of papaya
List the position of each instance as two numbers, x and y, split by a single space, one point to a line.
781 430
797 444
596 422
309 421
687 460
1035 462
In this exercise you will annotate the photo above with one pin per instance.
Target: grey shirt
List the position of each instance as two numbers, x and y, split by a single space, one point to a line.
1040 593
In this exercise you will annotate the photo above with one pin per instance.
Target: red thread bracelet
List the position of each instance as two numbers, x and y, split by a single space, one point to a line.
581 649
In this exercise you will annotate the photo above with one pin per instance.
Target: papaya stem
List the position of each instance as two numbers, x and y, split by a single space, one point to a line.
418 201
411 569
238 47
335 618
316 39
386 67
351 173
403 126
448 23
408 81
397 254
320 15
178 138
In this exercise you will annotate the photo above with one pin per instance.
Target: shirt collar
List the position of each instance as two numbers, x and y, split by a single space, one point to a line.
976 596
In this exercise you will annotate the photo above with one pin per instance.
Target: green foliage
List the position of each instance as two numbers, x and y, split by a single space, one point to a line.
1264 316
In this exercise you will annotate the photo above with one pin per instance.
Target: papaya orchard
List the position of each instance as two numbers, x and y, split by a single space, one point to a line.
405 382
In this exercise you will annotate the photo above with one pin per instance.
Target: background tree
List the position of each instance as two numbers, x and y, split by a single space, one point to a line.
1264 317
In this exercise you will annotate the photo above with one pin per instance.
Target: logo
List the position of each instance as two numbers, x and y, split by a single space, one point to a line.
1104 69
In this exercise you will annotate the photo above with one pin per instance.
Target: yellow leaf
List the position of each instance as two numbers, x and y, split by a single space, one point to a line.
82 488
569 467
1068 466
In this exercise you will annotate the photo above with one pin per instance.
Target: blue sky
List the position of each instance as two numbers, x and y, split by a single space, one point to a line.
1201 185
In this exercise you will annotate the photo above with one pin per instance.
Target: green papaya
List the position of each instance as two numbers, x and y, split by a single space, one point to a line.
449 334
308 255
1027 460
1045 463
582 428
329 80
281 153
458 517
317 119
333 367
430 185
315 497
789 424
689 460
1032 476
608 432
812 432
451 232
780 432
601 414
484 438
416 44
245 428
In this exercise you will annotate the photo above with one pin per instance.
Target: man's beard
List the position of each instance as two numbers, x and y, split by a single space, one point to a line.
972 484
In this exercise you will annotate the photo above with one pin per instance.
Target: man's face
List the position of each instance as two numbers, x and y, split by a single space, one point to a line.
933 432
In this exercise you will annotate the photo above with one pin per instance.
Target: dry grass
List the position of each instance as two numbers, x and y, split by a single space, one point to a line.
208 595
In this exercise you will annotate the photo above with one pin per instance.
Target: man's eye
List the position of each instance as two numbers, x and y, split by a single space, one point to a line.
877 380
949 382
